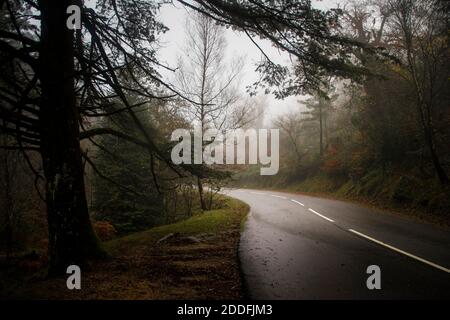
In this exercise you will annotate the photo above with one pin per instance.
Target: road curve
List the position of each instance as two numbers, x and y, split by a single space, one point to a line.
302 247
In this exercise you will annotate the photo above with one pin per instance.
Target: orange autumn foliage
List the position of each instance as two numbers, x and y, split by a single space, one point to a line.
105 230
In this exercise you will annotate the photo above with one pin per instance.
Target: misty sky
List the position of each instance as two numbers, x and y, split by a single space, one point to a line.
174 17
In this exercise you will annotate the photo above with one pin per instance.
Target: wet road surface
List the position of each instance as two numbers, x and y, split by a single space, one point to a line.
302 247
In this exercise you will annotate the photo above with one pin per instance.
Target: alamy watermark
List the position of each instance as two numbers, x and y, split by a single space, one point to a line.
215 147
73 22
374 280
74 279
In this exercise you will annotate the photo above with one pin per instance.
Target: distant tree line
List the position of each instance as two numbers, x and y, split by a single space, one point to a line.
385 136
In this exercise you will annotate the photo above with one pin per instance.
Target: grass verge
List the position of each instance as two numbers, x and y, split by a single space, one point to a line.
192 259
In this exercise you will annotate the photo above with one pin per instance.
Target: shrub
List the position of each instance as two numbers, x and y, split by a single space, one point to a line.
105 230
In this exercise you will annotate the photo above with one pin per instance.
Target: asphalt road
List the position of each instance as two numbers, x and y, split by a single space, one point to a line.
303 247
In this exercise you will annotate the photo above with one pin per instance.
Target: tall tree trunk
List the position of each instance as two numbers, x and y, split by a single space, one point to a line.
428 128
72 239
201 194
442 175
321 129
8 206
425 110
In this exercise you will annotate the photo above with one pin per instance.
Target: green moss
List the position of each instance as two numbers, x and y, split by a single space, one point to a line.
232 212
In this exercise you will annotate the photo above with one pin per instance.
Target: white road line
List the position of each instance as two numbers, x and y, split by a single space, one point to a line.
401 251
298 202
273 195
320 215
256 192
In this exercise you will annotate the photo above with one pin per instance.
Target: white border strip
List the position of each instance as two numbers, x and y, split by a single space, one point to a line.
281 197
298 202
320 215
401 251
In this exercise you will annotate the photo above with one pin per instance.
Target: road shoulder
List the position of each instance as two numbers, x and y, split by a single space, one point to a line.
193 259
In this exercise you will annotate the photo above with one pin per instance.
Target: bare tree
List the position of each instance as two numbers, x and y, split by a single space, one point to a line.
366 20
415 33
209 82
291 124
420 32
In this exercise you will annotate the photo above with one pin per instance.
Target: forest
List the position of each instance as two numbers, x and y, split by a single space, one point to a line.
88 106
384 139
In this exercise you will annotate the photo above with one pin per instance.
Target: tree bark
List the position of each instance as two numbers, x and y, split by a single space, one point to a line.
72 239
201 194
442 175
8 206
321 128
425 110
